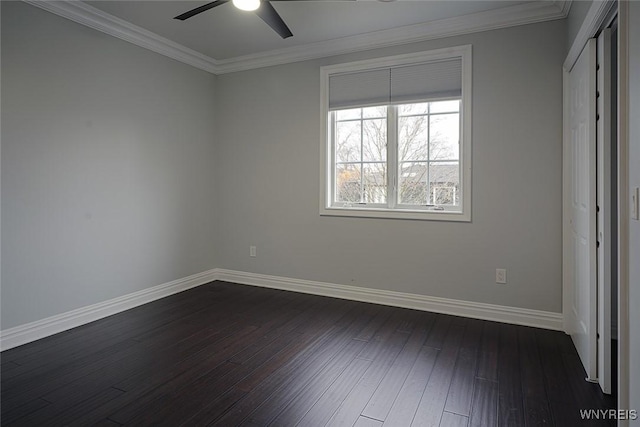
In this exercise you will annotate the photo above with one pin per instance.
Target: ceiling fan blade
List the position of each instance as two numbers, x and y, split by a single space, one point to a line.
200 9
271 17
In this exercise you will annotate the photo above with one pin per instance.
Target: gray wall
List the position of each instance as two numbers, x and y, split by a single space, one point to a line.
268 168
118 175
634 226
107 178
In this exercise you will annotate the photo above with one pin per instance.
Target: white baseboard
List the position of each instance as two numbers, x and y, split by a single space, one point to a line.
29 332
476 310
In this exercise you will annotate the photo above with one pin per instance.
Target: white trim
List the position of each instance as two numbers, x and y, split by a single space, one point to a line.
564 6
526 13
29 332
476 310
39 329
624 233
592 23
567 265
91 17
391 213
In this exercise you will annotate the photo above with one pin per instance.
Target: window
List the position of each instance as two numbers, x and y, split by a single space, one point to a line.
397 137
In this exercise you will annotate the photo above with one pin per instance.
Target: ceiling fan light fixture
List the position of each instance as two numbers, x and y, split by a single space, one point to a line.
247 5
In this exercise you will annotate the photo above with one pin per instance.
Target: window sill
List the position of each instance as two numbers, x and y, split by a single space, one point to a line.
423 215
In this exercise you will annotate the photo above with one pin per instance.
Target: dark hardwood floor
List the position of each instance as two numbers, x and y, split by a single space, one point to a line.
225 354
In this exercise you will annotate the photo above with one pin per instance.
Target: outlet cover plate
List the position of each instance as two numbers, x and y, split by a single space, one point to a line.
501 275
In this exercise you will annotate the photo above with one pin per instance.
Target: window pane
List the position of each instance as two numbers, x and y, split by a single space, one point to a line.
348 141
375 112
445 106
348 114
374 144
445 136
348 183
413 186
413 138
375 183
444 180
443 195
409 109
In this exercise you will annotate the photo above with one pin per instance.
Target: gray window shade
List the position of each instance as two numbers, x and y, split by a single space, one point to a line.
359 89
412 83
401 84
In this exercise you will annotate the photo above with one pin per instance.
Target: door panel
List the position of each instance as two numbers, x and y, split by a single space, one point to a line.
580 255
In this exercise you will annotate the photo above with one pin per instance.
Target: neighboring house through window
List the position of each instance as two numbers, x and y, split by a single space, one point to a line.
397 137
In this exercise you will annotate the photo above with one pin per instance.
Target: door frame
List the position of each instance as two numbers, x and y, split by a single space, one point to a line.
597 15
623 208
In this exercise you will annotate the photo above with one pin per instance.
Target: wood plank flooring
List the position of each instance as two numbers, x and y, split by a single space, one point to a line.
225 354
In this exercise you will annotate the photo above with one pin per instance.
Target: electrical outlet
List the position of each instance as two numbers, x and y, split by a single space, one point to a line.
252 251
501 275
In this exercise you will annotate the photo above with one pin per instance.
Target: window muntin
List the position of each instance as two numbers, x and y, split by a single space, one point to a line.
428 155
360 149
423 174
425 144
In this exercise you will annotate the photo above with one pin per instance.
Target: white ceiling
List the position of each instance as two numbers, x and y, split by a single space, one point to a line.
225 32
224 39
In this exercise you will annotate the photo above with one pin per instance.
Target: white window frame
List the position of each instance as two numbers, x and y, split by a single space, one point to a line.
327 163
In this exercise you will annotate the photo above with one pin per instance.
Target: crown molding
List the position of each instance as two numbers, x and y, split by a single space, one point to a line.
91 17
564 6
527 13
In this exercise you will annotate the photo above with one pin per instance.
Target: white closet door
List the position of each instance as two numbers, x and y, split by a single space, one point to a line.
580 255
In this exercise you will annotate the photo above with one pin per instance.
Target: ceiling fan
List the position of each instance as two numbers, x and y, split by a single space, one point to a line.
262 8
